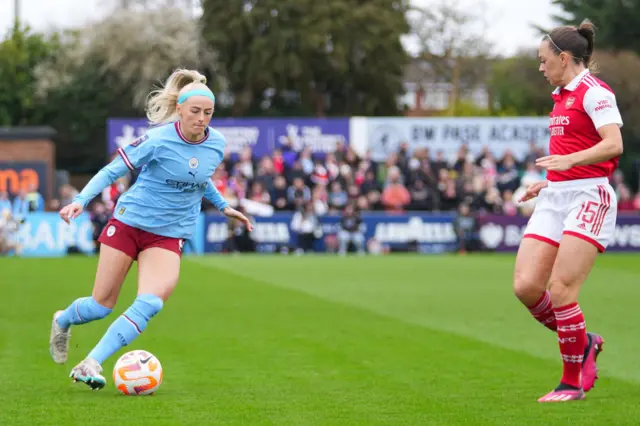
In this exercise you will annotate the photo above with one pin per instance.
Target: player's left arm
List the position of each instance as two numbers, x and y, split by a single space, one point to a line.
609 147
601 106
212 194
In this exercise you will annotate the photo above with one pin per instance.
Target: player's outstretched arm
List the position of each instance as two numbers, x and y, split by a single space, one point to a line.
533 190
136 155
105 177
212 194
235 214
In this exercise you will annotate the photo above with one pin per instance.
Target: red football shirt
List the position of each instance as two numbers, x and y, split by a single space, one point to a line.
580 109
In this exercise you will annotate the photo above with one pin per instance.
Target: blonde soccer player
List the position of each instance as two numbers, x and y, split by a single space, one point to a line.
151 220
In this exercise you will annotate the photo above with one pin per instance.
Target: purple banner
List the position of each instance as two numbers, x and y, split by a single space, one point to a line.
263 135
504 233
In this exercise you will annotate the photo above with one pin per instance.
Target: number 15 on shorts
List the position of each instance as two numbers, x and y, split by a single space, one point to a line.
595 221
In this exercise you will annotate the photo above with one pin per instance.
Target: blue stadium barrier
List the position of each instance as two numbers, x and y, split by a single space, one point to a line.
46 235
431 233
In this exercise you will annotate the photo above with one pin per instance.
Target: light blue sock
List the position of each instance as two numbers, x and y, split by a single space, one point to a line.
82 311
127 327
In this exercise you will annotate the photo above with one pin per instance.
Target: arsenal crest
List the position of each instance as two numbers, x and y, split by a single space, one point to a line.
570 102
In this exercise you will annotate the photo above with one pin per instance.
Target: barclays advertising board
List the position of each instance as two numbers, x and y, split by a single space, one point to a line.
46 235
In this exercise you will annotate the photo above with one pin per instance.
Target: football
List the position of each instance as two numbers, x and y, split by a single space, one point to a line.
137 373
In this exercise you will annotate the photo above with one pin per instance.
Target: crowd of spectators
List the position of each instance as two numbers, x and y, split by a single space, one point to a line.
406 181
339 182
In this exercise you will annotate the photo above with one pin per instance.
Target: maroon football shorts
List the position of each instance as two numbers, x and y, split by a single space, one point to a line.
131 241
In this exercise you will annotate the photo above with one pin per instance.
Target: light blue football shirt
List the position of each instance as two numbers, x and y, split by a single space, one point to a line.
176 174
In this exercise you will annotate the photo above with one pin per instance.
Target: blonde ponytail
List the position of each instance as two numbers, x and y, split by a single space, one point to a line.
161 103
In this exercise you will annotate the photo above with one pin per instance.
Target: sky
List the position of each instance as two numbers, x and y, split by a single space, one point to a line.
509 22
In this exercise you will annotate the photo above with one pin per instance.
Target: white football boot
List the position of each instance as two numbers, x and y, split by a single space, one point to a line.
88 372
59 341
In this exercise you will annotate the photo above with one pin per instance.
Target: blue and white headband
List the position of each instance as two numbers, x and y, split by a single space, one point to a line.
196 92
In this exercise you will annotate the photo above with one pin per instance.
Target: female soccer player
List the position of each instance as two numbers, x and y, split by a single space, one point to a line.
575 214
151 220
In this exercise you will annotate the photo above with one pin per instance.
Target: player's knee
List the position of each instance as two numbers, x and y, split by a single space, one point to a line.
106 300
97 310
562 292
149 305
106 294
526 289
145 307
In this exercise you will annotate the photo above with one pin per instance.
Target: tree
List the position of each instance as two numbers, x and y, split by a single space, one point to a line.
20 53
140 48
452 44
333 58
78 109
617 21
518 88
107 70
143 48
617 47
619 70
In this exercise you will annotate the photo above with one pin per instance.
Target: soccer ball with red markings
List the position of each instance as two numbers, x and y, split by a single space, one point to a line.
137 373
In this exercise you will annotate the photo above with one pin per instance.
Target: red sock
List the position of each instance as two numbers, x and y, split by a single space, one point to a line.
572 336
543 312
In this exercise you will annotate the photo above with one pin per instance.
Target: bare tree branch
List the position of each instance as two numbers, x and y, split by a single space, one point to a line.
140 47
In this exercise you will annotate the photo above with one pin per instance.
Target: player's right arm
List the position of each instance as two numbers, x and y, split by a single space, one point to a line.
129 158
533 190
600 104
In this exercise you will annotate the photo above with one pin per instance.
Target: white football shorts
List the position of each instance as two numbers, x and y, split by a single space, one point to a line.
584 208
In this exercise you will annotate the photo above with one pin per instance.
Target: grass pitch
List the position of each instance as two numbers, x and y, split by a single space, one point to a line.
318 340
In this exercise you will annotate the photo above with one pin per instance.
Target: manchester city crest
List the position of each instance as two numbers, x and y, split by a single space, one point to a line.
193 162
